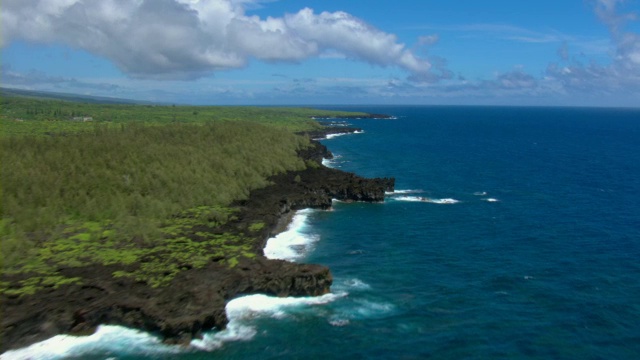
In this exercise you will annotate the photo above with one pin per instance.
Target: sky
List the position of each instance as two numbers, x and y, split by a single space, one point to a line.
312 52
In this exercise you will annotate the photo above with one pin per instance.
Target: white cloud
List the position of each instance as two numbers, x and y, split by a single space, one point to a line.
183 39
428 39
608 12
622 75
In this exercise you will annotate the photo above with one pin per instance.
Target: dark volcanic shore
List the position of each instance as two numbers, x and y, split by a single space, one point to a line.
195 300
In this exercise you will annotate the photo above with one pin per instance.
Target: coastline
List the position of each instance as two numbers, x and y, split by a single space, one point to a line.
196 299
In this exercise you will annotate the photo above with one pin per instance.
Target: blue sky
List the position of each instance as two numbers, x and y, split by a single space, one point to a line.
466 52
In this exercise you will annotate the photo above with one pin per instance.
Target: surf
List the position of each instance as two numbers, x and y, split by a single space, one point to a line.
294 243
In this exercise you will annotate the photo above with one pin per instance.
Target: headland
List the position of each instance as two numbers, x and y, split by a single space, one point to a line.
194 300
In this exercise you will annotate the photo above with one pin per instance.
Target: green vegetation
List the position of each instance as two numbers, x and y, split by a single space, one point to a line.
257 226
118 196
143 188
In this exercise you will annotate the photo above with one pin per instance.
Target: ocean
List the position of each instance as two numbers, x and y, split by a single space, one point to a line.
513 233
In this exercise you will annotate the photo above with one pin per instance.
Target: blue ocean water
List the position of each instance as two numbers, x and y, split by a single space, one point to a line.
513 233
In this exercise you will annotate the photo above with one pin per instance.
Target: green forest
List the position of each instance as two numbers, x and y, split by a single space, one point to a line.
112 184
32 116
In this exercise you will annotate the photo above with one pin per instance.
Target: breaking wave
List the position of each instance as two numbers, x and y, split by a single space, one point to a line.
445 201
336 162
108 340
294 243
243 310
331 136
400 192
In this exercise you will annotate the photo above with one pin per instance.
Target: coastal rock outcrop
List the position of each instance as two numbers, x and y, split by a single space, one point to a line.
194 302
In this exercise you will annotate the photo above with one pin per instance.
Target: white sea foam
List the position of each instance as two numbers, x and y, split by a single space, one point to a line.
359 309
427 200
349 285
491 199
409 198
443 201
292 244
332 163
480 193
235 331
242 310
409 191
250 306
107 339
331 136
370 309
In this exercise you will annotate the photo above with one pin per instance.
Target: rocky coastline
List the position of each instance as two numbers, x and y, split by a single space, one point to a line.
195 300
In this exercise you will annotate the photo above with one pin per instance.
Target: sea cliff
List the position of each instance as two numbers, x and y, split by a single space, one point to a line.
195 299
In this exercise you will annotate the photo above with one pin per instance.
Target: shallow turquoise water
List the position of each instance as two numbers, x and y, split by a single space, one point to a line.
533 254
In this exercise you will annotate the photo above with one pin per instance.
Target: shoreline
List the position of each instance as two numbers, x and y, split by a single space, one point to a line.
196 299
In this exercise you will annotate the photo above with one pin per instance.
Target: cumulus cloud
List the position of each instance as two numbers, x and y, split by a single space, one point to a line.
627 43
184 39
439 72
516 79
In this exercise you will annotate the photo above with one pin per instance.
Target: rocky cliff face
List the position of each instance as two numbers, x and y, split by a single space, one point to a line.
316 152
310 188
195 300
